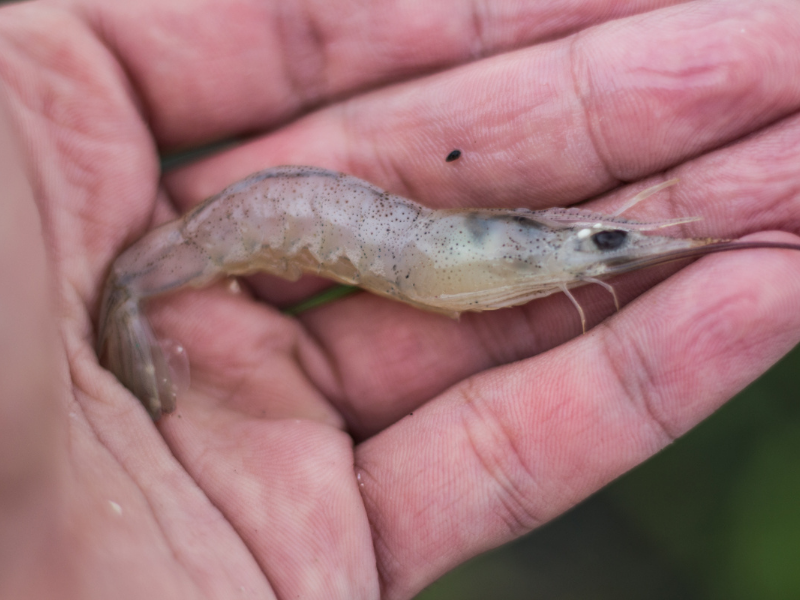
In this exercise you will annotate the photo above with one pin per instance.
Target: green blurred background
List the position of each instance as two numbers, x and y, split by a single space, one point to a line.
714 516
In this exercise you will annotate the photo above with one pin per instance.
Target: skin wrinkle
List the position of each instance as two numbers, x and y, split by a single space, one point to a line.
305 101
501 462
380 548
380 78
593 135
128 79
379 179
283 342
387 563
17 84
61 117
777 205
47 216
309 89
756 215
715 323
477 45
242 534
677 199
493 349
530 318
245 530
76 172
633 382
338 395
297 354
375 393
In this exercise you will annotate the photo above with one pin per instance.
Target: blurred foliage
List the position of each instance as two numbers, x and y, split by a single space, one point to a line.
714 516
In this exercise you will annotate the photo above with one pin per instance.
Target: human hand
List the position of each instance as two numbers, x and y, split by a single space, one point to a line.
366 447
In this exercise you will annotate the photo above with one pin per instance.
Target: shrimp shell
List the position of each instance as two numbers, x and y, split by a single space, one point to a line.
292 220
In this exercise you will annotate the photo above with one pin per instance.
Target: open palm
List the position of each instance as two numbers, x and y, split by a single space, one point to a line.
365 448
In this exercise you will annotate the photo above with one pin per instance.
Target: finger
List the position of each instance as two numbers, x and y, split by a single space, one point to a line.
551 124
216 69
512 448
386 360
745 187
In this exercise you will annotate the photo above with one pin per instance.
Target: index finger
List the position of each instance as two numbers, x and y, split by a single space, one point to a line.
215 69
553 124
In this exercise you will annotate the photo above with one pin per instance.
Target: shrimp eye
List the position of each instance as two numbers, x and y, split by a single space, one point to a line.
609 240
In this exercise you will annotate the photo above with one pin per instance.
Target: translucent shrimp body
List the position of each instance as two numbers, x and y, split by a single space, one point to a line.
291 220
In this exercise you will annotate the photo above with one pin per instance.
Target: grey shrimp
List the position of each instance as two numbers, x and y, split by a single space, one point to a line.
290 220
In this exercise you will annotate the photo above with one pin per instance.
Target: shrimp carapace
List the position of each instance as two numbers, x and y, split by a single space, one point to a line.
291 220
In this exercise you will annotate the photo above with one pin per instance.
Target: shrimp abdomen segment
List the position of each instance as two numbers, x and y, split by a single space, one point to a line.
291 219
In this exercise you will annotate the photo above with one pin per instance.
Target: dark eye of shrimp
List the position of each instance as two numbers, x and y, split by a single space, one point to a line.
609 240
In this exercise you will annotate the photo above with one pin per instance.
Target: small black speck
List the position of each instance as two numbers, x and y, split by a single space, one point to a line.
454 155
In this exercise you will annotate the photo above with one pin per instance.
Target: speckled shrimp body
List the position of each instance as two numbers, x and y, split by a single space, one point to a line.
291 220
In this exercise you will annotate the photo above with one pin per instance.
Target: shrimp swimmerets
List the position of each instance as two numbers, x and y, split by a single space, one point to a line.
290 220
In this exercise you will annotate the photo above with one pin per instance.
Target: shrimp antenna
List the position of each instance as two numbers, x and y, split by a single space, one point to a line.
624 266
646 193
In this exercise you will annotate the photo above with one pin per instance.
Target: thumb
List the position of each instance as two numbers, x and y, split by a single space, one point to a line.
29 414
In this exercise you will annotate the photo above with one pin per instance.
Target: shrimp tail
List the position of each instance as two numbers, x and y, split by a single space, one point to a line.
128 347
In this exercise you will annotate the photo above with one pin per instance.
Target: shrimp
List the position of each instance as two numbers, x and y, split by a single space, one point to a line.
292 220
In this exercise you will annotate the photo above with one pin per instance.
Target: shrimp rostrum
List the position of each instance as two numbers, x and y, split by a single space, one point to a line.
291 220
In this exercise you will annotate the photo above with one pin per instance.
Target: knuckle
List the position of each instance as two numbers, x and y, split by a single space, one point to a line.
492 442
636 379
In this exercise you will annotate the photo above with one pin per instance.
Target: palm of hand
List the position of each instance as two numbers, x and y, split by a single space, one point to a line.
251 485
